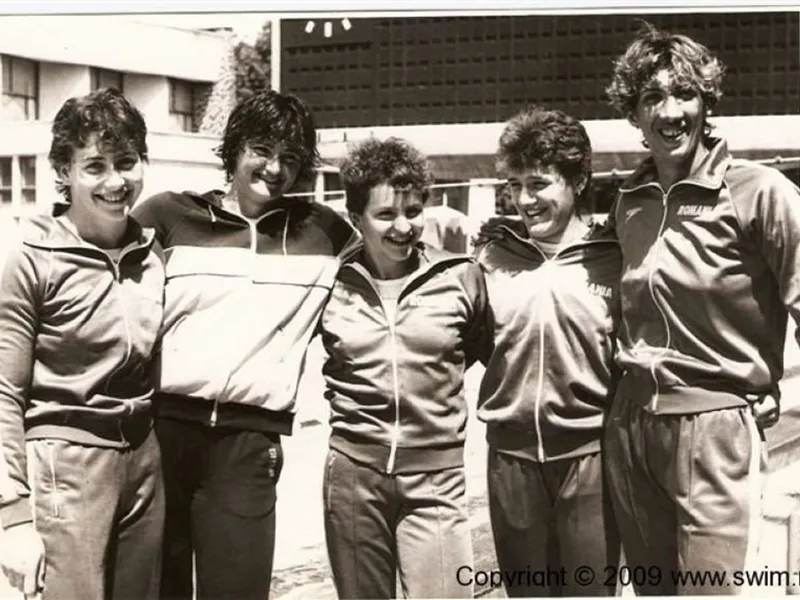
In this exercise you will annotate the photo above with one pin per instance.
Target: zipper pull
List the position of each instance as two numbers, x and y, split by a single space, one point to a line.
213 420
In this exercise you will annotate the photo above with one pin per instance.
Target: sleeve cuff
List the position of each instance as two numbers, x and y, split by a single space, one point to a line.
16 512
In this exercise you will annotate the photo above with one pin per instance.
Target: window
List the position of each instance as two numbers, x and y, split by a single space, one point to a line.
181 105
20 89
17 180
102 78
5 180
27 168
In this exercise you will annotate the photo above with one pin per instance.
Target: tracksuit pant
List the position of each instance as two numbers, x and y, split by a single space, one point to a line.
687 493
554 532
378 526
220 485
100 512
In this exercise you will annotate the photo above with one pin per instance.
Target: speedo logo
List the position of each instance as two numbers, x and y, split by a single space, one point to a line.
693 210
598 289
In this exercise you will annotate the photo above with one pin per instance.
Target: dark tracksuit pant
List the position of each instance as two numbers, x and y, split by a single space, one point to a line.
100 512
548 516
220 485
378 526
686 491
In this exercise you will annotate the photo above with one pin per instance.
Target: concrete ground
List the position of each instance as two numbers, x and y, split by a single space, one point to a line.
301 566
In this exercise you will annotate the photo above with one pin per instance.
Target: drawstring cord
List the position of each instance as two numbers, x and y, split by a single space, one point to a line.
286 231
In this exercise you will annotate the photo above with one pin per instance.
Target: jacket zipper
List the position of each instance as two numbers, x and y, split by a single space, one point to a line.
656 358
395 435
212 420
117 273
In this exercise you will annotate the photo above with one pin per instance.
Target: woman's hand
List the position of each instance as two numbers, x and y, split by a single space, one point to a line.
22 558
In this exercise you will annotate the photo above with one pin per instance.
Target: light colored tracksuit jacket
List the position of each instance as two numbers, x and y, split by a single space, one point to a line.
77 332
242 301
550 378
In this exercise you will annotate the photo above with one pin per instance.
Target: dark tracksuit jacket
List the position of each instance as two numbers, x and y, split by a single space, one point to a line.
711 270
396 388
78 332
242 302
548 381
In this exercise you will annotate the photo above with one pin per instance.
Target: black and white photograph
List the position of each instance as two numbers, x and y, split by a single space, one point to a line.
409 303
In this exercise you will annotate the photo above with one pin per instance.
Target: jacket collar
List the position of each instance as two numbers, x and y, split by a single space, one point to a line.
56 232
597 232
708 173
428 258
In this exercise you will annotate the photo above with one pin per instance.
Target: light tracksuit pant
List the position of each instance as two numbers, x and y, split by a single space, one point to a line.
100 512
379 525
554 532
687 493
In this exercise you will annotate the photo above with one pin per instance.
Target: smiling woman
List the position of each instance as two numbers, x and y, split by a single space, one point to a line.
403 323
80 310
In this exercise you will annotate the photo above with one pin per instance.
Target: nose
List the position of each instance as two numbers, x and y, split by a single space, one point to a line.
401 225
671 108
273 165
114 180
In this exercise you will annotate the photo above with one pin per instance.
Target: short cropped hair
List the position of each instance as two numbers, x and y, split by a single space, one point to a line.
691 64
106 113
540 136
393 161
269 117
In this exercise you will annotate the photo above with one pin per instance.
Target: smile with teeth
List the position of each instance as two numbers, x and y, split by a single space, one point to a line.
400 242
672 132
114 197
533 212
269 180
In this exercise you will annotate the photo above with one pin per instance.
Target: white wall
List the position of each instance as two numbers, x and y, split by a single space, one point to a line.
57 83
150 94
114 43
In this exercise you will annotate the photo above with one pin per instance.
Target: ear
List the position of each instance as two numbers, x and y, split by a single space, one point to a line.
63 174
580 186
632 120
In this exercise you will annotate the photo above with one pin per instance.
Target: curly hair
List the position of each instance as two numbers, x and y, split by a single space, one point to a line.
538 136
269 117
393 161
690 64
104 113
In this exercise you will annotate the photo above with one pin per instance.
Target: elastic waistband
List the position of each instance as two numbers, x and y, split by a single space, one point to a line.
523 444
684 400
228 414
406 460
93 428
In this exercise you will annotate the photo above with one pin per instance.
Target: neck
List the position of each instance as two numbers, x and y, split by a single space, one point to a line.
575 230
669 172
106 235
239 204
390 270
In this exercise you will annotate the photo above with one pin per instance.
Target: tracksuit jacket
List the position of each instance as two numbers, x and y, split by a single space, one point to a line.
550 378
396 387
712 266
242 301
78 331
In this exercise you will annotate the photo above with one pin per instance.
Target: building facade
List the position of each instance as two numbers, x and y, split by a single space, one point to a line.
168 73
448 83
